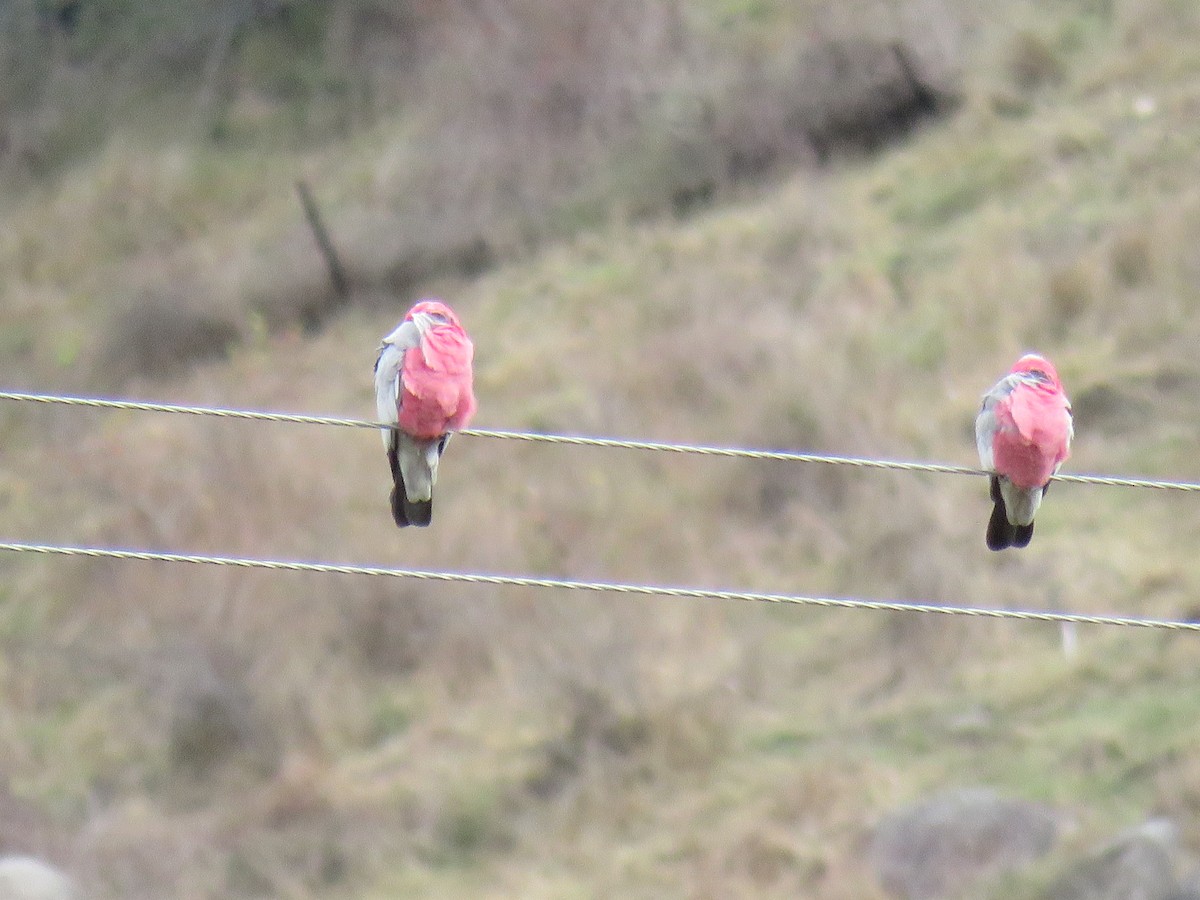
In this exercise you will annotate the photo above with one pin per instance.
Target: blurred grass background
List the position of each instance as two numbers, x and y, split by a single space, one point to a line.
813 225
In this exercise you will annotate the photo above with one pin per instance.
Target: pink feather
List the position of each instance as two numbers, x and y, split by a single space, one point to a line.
1033 434
436 383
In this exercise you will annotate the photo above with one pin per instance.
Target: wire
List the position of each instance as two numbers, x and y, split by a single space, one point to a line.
584 441
576 440
602 586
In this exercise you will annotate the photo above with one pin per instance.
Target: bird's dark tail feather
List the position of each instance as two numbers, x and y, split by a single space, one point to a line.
398 511
404 511
419 513
398 498
1022 534
1000 532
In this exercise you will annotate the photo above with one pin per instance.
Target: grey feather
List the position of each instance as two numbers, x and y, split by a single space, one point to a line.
986 424
1022 504
414 463
388 366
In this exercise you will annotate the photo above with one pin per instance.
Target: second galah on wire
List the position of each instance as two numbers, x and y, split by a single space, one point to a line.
423 384
1023 432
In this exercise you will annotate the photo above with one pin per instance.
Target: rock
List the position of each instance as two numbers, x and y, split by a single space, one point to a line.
861 93
166 330
940 847
211 716
26 878
1135 865
1189 888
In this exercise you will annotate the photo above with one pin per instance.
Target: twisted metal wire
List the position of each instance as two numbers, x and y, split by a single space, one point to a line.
585 441
607 587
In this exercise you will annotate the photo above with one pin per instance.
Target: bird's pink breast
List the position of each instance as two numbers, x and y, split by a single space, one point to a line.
437 394
1033 436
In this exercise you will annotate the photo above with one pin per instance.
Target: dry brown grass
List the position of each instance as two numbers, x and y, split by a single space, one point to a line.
1034 62
219 733
545 122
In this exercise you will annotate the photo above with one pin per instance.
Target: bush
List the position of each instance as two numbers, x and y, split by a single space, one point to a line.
162 335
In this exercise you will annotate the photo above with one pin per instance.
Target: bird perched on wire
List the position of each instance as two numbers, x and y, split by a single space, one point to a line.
1023 432
423 384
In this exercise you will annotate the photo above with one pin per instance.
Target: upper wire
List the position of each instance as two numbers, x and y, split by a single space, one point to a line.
587 441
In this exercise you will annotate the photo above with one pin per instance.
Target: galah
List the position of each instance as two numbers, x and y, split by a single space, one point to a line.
423 384
1023 432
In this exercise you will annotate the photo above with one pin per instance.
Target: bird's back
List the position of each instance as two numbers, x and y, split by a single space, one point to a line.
1033 435
438 395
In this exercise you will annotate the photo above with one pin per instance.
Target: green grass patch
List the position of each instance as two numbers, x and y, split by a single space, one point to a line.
960 179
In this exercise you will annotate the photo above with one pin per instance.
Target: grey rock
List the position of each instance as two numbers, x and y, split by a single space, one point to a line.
940 847
1189 887
1136 865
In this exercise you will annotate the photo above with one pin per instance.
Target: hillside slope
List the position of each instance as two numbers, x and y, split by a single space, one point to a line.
228 733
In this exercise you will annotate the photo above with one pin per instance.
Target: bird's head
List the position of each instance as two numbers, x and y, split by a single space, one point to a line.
1038 368
431 312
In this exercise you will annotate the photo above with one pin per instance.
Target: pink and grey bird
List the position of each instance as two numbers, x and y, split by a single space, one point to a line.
1023 432
423 384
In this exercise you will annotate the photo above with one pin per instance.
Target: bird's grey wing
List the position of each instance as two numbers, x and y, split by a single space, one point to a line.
986 423
388 367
